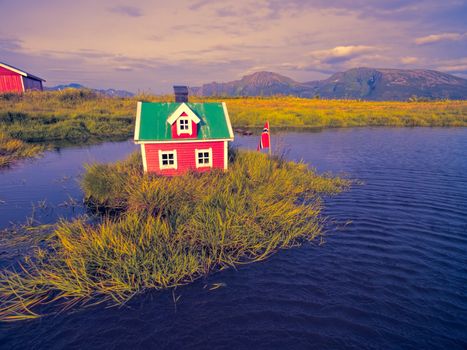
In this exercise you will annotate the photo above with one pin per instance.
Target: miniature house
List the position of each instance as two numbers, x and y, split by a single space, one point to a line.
176 137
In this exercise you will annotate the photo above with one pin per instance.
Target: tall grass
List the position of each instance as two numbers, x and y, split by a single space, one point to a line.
12 150
168 231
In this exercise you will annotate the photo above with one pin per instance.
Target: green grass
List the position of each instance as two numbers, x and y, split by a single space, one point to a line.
166 232
72 115
83 116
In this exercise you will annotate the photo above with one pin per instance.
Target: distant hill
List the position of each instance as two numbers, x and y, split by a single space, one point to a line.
257 84
107 92
357 83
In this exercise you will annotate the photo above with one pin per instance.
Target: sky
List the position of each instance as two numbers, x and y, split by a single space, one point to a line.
150 45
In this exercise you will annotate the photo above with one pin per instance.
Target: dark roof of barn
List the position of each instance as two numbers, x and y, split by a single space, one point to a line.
20 71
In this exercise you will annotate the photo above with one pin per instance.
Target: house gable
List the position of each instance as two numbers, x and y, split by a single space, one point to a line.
184 122
183 108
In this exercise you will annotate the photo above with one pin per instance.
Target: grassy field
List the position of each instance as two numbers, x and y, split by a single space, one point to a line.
294 112
166 232
81 115
72 115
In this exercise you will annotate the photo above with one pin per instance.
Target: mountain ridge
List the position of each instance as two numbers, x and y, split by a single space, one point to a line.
107 92
356 83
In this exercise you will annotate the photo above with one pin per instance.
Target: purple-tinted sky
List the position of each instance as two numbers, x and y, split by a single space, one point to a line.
148 45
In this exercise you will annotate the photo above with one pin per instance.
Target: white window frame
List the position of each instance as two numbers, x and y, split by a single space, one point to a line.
168 166
204 165
188 131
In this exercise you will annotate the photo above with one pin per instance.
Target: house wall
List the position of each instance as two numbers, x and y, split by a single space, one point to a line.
185 156
10 81
32 84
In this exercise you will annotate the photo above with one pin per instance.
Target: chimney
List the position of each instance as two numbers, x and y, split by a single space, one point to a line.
181 93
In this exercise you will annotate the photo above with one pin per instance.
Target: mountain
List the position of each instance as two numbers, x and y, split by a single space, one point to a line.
107 92
357 83
256 84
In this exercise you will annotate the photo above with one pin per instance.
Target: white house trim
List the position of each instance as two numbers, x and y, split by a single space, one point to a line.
183 108
227 119
226 155
138 120
20 72
143 155
203 165
168 166
22 83
182 141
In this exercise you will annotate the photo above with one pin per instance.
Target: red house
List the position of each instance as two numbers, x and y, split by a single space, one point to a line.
179 136
16 80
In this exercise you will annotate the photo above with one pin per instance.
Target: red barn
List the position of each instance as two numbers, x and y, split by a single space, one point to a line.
16 80
179 136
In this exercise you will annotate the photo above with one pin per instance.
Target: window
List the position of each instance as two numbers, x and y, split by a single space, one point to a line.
203 157
184 126
168 159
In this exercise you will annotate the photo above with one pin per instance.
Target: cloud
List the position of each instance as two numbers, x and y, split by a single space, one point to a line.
397 10
10 44
341 58
204 40
453 66
226 12
341 54
124 69
409 60
199 4
434 38
129 11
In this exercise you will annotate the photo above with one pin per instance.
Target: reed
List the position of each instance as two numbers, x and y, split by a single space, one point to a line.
168 231
12 150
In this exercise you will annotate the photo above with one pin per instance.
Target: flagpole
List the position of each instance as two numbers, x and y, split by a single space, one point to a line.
270 146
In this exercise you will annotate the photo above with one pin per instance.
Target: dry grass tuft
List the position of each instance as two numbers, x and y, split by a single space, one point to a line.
169 231
12 150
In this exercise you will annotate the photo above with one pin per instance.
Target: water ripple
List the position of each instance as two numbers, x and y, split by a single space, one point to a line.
394 278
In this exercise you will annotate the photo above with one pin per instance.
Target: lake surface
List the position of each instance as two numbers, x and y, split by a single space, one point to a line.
394 278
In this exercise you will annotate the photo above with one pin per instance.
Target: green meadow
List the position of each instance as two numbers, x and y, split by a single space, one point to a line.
81 116
162 232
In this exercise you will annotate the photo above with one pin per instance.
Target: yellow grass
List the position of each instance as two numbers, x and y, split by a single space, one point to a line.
81 115
12 150
169 231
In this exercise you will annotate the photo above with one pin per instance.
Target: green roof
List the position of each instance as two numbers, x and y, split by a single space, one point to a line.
152 125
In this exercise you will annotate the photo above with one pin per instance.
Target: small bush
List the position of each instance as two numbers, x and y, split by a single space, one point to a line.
77 95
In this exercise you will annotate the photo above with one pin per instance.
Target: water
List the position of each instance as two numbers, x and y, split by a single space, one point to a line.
48 188
395 278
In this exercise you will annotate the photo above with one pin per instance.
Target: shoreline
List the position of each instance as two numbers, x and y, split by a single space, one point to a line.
78 117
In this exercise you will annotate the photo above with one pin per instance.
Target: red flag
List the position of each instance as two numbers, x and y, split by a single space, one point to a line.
265 141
